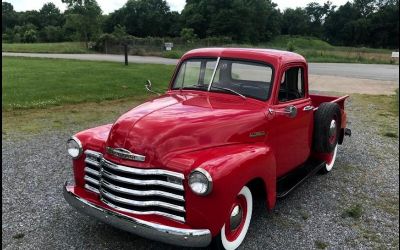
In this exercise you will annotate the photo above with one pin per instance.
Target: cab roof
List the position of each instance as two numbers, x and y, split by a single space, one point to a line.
271 56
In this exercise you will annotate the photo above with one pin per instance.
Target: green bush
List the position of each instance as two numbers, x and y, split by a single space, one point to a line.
173 54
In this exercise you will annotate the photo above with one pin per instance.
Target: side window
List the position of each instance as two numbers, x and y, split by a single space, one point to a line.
292 85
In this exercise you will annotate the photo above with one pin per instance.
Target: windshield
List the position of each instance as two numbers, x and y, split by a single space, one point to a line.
248 79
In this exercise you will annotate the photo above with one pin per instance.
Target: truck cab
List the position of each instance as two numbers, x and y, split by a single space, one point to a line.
183 167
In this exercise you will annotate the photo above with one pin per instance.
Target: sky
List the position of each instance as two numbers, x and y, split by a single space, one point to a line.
176 5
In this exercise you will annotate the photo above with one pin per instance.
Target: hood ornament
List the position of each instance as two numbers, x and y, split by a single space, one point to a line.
125 154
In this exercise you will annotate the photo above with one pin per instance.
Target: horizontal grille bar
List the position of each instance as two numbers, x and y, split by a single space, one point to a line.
92 171
91 188
142 193
172 216
142 182
91 180
142 171
93 154
92 162
141 203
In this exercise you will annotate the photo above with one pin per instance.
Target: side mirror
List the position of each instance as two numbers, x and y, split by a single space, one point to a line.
148 86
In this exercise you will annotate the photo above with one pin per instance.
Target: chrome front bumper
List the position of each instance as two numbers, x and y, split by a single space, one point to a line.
153 231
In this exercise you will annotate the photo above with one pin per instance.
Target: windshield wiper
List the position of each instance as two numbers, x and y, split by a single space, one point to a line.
231 90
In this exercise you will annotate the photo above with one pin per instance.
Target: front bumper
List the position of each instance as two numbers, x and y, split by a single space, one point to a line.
153 231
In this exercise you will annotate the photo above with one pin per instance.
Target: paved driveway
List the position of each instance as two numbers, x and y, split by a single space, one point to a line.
362 71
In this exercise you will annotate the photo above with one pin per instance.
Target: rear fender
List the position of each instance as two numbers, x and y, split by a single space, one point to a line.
231 168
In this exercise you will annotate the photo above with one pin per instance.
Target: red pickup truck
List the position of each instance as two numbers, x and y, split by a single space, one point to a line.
183 168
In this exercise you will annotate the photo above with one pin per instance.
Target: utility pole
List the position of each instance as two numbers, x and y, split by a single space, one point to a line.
126 53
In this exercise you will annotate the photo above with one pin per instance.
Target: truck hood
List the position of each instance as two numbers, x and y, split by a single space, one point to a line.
177 123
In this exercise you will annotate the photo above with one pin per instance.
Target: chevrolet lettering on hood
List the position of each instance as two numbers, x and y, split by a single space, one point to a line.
125 154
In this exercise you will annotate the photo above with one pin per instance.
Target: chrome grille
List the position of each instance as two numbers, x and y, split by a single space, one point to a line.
142 191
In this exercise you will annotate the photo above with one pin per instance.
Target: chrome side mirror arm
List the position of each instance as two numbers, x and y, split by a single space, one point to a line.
148 87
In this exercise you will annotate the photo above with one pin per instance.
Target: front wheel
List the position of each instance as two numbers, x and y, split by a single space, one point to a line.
236 226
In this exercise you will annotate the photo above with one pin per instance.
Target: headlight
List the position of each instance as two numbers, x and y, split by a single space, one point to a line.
74 147
200 181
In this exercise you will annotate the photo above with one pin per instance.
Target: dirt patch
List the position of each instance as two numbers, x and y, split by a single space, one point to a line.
352 85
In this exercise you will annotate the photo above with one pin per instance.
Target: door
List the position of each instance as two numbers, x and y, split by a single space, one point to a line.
292 114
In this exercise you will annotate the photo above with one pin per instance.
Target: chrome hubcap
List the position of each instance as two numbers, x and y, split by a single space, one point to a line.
332 128
236 217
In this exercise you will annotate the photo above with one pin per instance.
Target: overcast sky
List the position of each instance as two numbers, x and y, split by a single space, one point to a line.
110 5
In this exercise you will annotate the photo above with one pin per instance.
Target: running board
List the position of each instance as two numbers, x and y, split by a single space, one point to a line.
289 182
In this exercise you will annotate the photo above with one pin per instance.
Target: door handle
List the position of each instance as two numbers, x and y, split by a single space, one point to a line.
308 108
290 111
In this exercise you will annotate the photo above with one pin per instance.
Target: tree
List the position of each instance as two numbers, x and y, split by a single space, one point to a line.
242 20
8 17
295 22
85 17
316 16
143 18
50 15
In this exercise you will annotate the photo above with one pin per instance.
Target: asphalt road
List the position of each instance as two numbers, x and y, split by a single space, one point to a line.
363 71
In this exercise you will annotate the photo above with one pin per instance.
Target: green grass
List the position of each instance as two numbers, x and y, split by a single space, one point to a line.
321 244
313 49
381 111
354 211
66 47
39 83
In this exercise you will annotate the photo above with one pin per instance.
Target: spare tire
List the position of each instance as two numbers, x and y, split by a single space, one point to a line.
327 124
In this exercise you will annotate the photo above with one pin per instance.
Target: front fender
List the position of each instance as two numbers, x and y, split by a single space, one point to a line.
93 139
231 167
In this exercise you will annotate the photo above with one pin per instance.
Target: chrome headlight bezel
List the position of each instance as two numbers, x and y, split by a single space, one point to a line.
78 147
204 178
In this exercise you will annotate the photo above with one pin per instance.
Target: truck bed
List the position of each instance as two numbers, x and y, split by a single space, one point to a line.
318 99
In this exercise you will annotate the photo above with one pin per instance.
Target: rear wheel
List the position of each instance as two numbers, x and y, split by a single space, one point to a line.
236 226
327 124
329 159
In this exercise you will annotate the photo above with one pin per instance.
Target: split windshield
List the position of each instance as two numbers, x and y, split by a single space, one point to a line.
247 79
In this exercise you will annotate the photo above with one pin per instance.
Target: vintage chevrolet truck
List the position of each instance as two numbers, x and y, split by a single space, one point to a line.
184 167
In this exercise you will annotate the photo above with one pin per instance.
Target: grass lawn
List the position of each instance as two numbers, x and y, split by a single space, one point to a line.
66 47
39 83
313 49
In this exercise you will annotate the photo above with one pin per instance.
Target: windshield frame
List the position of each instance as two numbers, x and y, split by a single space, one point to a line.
218 59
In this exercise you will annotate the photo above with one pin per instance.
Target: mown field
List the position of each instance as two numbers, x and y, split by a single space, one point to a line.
313 49
40 83
65 48
39 94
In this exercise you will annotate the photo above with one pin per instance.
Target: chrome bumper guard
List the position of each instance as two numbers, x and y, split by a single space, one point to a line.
153 231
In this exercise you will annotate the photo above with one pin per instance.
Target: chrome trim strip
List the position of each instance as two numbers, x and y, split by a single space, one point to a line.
92 171
142 203
92 162
174 217
154 231
88 187
141 182
142 171
213 74
142 193
90 179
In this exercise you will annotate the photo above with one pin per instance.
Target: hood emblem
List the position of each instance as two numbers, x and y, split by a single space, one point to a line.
125 154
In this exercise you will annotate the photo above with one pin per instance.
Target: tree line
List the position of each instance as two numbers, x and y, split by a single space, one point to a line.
373 23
